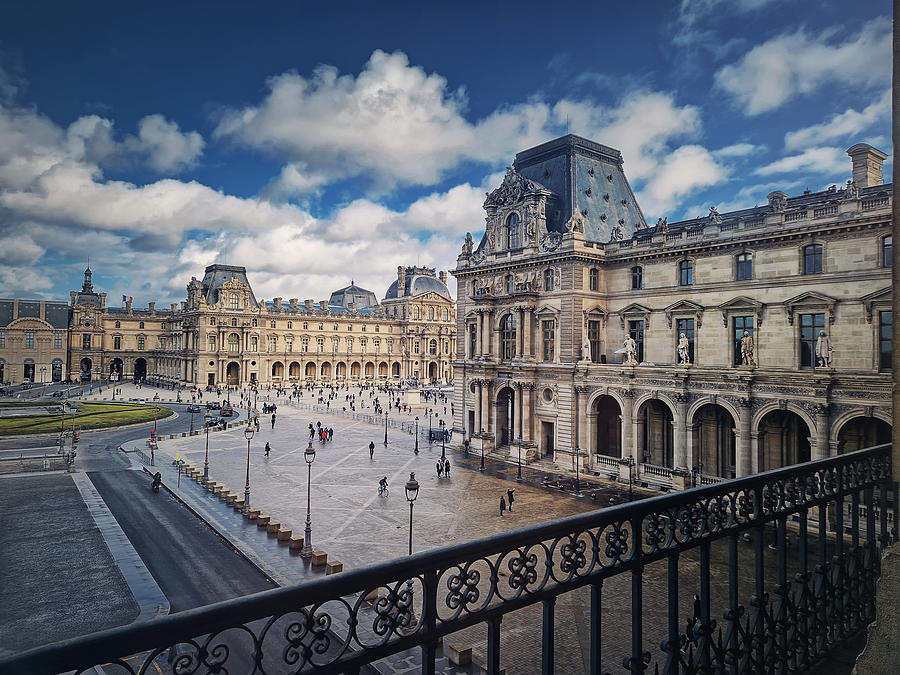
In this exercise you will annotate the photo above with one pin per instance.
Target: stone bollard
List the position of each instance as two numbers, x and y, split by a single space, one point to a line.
296 543
333 567
319 559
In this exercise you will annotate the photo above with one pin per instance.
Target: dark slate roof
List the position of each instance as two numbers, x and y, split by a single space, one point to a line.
418 280
57 314
353 293
216 275
586 177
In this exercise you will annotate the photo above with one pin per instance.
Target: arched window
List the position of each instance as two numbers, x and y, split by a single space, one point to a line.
445 315
812 259
254 343
118 324
234 342
290 324
141 325
234 323
415 311
508 336
431 313
212 343
744 266
233 301
637 278
272 325
432 347
549 280
510 284
686 273
512 231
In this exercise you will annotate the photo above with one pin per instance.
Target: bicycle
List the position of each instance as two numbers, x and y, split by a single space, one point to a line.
383 491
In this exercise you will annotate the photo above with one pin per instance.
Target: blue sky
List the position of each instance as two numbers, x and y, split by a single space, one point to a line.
315 144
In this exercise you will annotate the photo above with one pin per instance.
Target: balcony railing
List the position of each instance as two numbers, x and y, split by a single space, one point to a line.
343 622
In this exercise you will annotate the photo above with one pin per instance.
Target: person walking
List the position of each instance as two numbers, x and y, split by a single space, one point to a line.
502 506
510 498
267 450
371 449
439 467
273 420
447 467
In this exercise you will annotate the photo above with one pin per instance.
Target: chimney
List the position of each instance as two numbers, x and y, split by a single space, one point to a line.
184 305
308 303
152 307
867 163
72 294
276 304
293 303
443 277
401 281
174 307
323 304
103 300
128 306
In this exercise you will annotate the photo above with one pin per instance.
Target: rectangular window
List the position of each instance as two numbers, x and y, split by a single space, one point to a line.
320 342
741 324
254 343
212 321
594 279
744 267
887 251
686 327
2 339
85 340
273 344
212 343
636 331
416 347
637 278
141 342
686 273
162 343
549 338
117 342
812 259
57 341
305 344
885 327
473 339
810 325
289 344
594 338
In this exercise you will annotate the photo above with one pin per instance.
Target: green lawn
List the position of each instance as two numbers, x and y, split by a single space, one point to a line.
89 416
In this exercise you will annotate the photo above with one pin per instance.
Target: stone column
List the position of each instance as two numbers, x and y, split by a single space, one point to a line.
479 336
744 463
527 407
478 398
692 453
679 437
629 447
821 447
520 334
527 330
486 405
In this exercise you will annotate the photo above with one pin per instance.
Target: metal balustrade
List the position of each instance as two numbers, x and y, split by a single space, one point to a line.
342 622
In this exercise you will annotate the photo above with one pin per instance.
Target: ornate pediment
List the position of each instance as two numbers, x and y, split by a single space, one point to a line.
233 286
881 299
634 312
683 307
811 301
741 305
513 188
31 322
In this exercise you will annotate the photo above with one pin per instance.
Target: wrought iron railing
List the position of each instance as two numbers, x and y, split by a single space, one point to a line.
343 622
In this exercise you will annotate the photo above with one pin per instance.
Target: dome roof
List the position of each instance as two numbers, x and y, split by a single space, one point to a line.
416 284
362 297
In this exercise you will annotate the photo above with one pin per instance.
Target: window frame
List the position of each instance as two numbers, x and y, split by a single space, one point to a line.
738 332
743 266
549 279
882 340
886 251
508 336
818 255
688 326
548 340
637 278
513 231
686 272
593 279
637 329
807 345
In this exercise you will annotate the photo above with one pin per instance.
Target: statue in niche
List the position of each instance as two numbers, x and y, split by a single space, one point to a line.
467 245
823 350
662 225
586 349
684 350
748 347
630 351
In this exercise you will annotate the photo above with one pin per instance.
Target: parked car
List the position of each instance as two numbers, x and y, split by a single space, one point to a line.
58 393
212 421
193 408
213 405
227 411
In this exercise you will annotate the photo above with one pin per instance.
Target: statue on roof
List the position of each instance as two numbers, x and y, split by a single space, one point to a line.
851 192
777 201
662 225
616 234
575 223
714 217
467 245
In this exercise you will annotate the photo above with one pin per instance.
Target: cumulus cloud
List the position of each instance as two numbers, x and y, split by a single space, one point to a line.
847 125
796 64
165 146
687 169
812 160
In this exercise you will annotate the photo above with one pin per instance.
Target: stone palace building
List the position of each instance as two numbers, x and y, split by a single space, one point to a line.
222 335
721 346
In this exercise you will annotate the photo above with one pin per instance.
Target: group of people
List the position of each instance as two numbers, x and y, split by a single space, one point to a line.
506 504
324 434
443 467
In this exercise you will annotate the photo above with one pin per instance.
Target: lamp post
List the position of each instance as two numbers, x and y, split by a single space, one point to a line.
443 437
429 428
310 456
577 462
248 434
385 427
519 473
206 459
482 449
155 411
630 478
412 491
192 418
417 435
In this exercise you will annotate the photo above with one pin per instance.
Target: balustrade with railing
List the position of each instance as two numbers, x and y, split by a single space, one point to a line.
767 621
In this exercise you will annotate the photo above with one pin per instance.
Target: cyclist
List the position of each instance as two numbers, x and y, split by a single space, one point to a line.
382 485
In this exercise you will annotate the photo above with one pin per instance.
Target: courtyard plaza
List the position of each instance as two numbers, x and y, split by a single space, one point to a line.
357 527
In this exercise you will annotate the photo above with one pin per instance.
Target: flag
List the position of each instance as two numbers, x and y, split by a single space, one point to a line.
130 299
124 298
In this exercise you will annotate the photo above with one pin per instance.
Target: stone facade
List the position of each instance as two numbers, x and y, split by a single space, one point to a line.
221 335
567 281
33 341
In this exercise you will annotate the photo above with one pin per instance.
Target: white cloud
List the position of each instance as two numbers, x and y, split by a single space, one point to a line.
167 149
792 65
847 125
738 150
812 160
684 171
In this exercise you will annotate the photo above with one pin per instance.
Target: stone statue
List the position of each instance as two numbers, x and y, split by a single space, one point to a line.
684 353
662 225
777 201
575 223
617 234
747 350
851 192
630 351
823 350
714 216
586 349
467 245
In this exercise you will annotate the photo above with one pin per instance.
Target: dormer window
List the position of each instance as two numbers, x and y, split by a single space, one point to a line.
233 301
141 325
512 231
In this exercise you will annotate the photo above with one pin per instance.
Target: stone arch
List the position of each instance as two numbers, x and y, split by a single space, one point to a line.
326 369
233 373
310 370
654 441
838 423
395 369
642 397
140 369
278 370
776 405
505 431
712 427
355 369
605 421
781 440
718 400
341 370
370 369
862 431
294 369
432 371
383 369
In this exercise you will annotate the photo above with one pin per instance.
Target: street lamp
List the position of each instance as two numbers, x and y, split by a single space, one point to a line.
192 417
630 478
429 428
417 435
310 456
385 427
482 449
206 460
519 474
248 434
412 491
443 437
577 482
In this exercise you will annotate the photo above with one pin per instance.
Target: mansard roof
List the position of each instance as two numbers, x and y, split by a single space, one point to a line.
216 275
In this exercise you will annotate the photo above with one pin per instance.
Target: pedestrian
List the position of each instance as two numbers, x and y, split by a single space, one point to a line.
267 449
257 423
440 468
466 446
510 498
371 449
273 420
447 467
502 506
